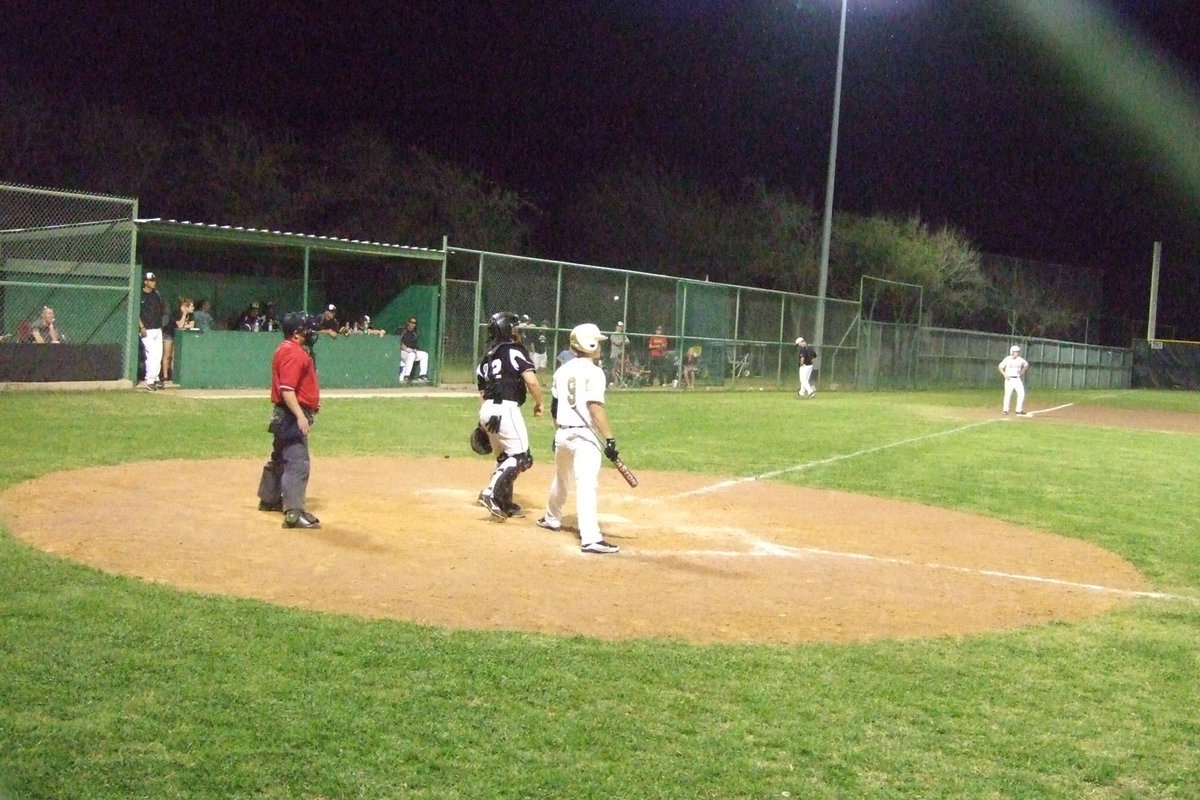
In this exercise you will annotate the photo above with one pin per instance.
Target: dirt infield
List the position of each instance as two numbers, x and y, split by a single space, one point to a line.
757 562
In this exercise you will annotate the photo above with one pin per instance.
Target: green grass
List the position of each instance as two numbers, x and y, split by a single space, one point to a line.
114 687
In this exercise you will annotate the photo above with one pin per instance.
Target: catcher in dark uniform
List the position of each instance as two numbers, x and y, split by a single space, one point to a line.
505 376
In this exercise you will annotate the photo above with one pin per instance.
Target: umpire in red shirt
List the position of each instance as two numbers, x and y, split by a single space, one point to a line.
297 397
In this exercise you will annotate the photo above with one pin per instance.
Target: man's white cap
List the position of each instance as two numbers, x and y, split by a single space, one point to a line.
1014 349
800 340
586 338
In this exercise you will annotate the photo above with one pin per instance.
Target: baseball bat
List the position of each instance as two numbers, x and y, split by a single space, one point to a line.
626 473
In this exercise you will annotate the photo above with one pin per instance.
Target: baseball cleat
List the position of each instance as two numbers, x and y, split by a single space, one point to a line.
550 526
599 547
487 501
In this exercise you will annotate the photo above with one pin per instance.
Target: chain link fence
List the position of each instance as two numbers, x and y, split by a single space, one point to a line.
66 276
739 335
79 257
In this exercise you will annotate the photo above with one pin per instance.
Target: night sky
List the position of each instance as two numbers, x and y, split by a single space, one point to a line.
953 109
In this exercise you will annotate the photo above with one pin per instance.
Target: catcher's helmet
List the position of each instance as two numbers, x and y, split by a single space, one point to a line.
504 326
586 338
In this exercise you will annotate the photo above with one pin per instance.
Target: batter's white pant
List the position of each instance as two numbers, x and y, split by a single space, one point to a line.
152 342
576 457
1014 385
407 357
806 387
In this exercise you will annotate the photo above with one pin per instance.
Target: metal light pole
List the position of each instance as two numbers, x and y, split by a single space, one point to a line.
827 231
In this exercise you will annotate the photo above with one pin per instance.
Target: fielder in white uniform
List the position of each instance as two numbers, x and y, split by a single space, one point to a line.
1013 369
805 361
582 434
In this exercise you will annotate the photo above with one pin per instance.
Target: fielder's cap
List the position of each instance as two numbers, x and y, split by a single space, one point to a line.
800 340
366 318
331 307
1014 349
620 324
150 276
254 304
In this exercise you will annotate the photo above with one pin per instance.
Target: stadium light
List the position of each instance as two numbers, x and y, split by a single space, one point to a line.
827 227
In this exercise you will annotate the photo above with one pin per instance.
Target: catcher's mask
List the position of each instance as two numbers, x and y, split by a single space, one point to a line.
297 321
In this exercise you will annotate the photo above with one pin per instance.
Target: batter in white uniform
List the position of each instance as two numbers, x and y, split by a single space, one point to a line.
1013 369
582 434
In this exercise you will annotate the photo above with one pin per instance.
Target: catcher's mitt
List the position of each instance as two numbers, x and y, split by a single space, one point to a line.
480 442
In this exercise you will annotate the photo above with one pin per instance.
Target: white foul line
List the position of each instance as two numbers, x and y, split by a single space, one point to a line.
834 459
831 460
766 549
762 548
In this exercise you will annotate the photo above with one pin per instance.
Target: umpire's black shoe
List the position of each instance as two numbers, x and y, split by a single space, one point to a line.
513 510
263 505
294 518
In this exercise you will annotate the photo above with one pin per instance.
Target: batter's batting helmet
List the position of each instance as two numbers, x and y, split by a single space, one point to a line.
586 338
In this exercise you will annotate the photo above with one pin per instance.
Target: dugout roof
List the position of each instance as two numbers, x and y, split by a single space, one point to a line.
230 234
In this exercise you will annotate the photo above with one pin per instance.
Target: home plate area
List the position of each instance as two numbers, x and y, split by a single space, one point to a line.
752 561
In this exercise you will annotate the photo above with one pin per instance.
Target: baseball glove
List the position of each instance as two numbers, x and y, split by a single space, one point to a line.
480 442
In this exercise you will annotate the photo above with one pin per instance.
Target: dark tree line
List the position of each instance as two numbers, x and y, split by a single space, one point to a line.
358 184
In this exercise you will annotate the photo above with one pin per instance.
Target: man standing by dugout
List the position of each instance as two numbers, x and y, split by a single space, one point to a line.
297 398
151 318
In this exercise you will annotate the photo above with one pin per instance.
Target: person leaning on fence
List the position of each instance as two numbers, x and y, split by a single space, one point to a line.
251 319
46 330
181 320
329 322
203 315
151 318
1013 369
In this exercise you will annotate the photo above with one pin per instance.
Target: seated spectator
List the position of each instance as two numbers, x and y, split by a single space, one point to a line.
46 330
411 353
330 323
270 322
564 356
365 324
203 315
181 320
251 319
691 364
